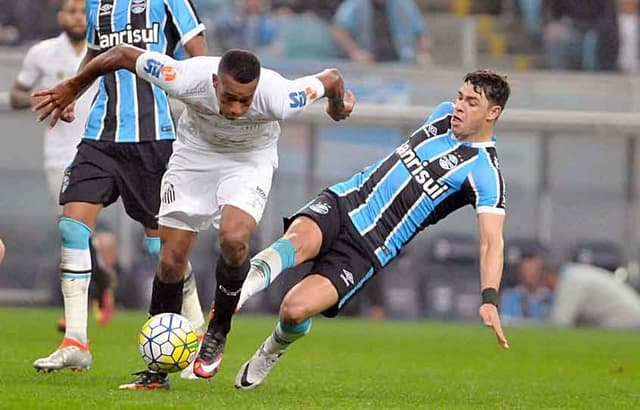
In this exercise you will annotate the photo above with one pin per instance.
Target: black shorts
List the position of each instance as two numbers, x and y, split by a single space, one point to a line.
102 171
342 258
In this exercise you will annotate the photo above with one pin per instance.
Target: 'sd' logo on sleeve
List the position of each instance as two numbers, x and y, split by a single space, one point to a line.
158 70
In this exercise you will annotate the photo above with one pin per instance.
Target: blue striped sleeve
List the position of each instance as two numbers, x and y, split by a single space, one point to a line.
488 185
442 110
92 30
185 19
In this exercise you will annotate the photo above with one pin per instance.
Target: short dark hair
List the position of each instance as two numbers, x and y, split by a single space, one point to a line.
63 4
494 86
242 65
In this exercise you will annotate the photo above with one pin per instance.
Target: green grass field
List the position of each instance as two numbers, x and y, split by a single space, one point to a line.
343 363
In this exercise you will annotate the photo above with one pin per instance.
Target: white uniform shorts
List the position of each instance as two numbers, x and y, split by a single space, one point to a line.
54 181
199 183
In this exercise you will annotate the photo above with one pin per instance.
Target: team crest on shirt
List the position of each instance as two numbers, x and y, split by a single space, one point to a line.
321 208
138 6
448 162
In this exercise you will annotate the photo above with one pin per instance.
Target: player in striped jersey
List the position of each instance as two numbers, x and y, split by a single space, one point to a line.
123 153
355 228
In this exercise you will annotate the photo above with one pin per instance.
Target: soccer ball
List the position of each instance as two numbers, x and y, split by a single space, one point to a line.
168 343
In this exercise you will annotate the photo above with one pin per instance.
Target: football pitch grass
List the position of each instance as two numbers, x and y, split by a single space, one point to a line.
343 363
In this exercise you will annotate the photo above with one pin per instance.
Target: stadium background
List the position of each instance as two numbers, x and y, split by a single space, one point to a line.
567 146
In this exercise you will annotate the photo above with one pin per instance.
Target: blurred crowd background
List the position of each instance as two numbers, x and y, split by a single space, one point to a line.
567 144
518 34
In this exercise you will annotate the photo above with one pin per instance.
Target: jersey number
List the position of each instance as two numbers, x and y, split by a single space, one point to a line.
298 99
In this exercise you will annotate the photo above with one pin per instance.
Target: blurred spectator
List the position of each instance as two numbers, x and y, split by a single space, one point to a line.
381 30
324 9
531 12
581 34
586 295
27 20
529 299
628 22
247 24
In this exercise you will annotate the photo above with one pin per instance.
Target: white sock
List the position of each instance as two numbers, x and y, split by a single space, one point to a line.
265 268
76 294
75 268
191 308
284 335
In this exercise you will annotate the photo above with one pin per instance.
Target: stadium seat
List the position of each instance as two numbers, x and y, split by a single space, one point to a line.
450 288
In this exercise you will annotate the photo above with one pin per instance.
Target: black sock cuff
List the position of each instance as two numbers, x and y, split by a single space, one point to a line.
232 277
166 297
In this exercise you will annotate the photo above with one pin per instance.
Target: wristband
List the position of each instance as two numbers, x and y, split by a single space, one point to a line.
490 295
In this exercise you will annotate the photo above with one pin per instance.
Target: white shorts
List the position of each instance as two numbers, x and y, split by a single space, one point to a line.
54 181
199 183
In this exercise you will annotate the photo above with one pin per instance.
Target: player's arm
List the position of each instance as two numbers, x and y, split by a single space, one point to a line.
30 74
488 188
491 262
197 46
20 96
55 100
340 103
1 251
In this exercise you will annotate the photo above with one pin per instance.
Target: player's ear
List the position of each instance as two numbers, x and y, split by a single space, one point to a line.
214 79
494 112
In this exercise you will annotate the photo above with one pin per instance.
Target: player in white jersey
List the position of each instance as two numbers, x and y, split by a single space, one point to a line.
221 168
45 64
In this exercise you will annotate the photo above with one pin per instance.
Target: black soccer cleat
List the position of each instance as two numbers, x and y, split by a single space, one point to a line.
148 380
209 358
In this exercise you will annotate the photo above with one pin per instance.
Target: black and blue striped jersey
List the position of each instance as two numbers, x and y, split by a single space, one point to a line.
128 109
422 181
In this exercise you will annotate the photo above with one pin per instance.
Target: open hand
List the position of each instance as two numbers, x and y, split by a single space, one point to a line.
341 111
489 315
56 101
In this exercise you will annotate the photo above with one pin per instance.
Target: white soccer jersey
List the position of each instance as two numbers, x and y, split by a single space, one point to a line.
201 124
46 64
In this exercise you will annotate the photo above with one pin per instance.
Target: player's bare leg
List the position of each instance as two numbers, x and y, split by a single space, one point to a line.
300 243
314 294
75 264
236 226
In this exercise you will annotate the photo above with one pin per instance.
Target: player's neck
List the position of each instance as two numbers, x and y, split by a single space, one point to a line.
78 46
482 136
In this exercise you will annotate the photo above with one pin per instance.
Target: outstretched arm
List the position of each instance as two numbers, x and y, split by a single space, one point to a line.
340 103
491 262
56 99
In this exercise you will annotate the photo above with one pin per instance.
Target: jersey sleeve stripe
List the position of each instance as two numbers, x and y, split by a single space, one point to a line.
192 33
498 180
490 210
472 182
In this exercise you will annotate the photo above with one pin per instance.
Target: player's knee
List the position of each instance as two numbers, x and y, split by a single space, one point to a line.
75 255
74 234
173 263
293 311
234 247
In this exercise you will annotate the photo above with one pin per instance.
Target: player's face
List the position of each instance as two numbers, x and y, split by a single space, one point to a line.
473 113
234 97
72 19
